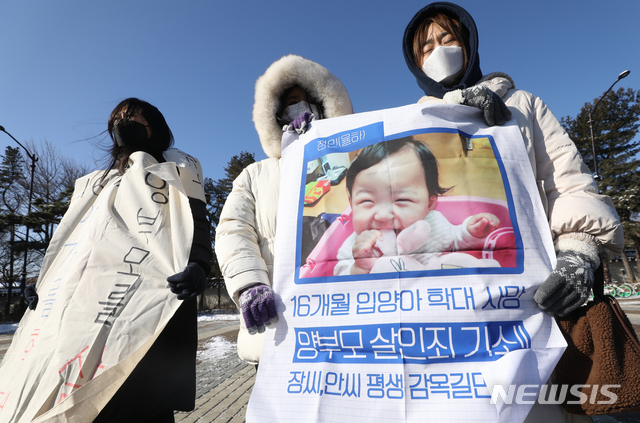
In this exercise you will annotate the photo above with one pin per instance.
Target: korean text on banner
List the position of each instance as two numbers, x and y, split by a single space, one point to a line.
401 301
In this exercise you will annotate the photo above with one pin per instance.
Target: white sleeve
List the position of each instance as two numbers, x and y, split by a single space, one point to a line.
236 243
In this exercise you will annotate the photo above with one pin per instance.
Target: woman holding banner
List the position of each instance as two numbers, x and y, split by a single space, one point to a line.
292 92
103 285
440 47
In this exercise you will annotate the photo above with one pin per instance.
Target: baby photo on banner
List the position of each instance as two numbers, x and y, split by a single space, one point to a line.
449 192
414 240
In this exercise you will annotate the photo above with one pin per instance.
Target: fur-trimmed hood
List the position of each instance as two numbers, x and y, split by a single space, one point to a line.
283 74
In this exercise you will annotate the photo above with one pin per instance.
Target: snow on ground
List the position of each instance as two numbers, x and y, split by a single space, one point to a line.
7 328
208 316
217 348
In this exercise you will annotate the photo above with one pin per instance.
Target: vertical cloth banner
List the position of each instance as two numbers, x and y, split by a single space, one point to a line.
437 308
103 294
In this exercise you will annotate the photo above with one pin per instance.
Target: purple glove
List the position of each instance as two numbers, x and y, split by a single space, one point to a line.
301 123
189 283
258 308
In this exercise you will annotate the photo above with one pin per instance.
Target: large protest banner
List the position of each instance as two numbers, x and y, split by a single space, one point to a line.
103 295
442 309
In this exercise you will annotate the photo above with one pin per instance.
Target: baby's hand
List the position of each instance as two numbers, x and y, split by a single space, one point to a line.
365 251
414 237
482 224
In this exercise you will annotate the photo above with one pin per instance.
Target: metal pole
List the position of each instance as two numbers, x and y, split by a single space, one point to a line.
34 159
596 174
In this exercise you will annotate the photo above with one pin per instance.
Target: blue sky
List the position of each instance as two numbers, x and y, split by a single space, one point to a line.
66 64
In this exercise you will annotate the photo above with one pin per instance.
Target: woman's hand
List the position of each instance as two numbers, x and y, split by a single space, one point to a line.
569 285
300 124
31 296
189 283
258 305
481 97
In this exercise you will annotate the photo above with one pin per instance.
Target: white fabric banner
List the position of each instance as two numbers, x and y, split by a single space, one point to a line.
103 294
446 310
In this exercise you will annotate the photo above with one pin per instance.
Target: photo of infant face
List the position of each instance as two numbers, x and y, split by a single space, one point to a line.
391 194
430 201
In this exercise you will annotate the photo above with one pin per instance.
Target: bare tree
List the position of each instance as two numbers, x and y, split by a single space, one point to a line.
54 179
53 186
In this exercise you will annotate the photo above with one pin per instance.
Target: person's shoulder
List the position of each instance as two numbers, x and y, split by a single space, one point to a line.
172 154
521 99
92 177
93 174
498 82
259 168
503 85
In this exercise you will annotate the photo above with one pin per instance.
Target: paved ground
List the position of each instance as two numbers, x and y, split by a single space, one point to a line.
228 384
224 384
224 387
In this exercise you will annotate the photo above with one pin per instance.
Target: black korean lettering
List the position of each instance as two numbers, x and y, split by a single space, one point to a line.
146 220
148 180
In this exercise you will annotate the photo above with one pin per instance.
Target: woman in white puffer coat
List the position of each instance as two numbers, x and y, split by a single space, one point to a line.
441 41
246 233
440 47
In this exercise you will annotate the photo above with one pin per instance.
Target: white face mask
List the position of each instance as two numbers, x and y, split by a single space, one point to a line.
444 64
295 110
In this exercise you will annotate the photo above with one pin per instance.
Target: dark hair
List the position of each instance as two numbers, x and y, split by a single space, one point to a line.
161 136
458 31
375 153
283 97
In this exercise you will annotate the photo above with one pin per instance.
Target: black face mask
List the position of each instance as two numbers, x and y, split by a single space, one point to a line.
130 133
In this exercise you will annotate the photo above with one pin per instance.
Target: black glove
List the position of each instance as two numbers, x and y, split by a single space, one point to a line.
31 296
258 308
189 283
569 285
481 97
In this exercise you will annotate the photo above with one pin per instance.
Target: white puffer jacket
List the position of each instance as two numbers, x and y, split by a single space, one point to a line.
246 232
568 192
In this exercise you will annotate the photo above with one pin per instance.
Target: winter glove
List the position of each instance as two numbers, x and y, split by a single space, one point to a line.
300 124
189 283
481 97
31 296
258 308
569 285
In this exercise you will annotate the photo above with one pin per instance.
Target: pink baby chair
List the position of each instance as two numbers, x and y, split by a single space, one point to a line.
500 244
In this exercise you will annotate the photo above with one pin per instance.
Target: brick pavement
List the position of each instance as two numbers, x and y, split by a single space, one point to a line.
224 386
